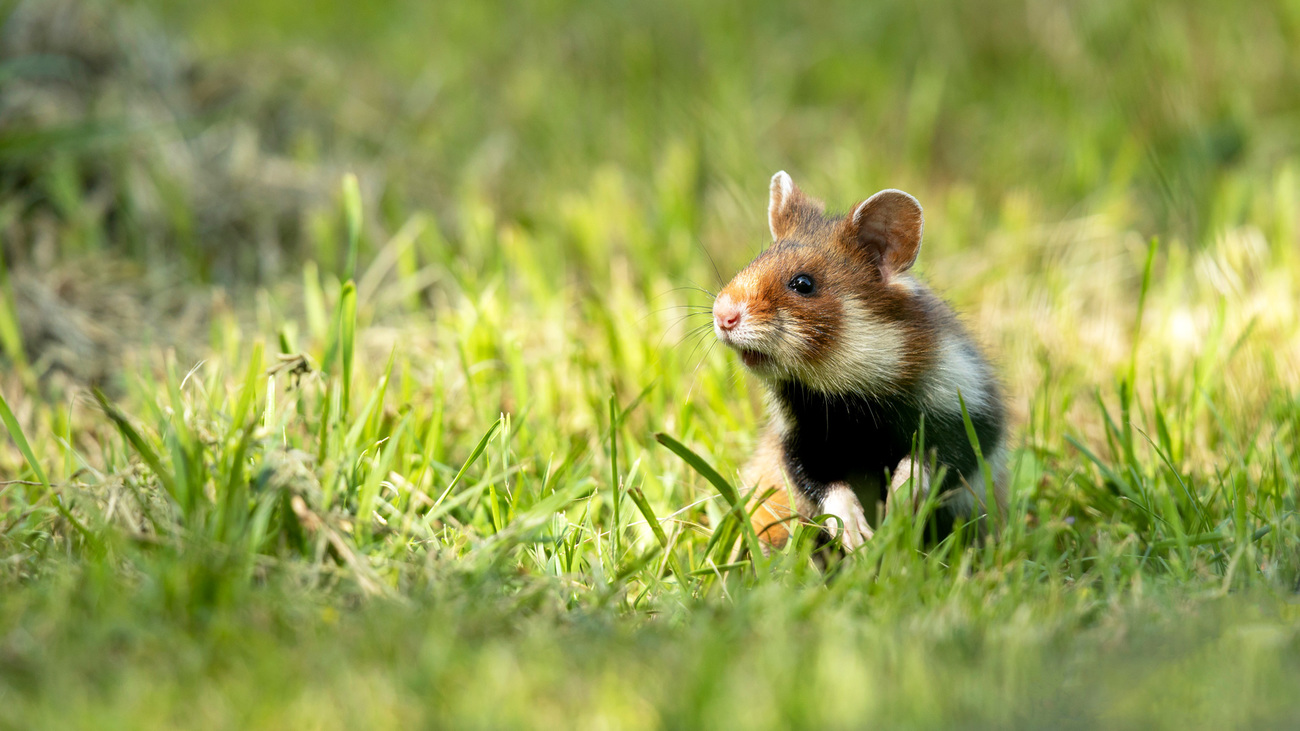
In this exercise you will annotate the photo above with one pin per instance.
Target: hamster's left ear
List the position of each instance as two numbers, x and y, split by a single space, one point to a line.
788 207
887 226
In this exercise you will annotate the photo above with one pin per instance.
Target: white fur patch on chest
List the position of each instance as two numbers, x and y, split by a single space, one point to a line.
865 359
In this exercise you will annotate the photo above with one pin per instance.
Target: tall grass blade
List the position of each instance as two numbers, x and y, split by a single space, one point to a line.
20 439
352 214
11 334
139 444
469 462
702 467
1152 246
248 388
643 505
705 470
986 472
345 330
614 482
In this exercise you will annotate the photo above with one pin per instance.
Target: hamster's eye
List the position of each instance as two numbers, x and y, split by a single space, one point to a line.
801 283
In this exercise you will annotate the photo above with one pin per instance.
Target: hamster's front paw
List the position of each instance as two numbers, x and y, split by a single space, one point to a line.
841 503
919 475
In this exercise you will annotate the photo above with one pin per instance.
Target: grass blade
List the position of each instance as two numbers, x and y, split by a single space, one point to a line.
347 329
639 499
469 461
614 483
698 464
138 443
16 433
352 214
729 494
986 472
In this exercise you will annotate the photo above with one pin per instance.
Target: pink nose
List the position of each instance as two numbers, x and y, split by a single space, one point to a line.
726 313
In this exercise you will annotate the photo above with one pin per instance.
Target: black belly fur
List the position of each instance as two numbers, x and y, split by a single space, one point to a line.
836 438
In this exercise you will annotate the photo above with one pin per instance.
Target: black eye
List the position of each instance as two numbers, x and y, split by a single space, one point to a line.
801 283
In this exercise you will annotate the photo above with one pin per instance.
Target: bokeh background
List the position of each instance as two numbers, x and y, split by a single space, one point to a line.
533 201
180 147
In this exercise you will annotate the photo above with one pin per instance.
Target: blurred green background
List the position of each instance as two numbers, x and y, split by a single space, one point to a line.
1188 109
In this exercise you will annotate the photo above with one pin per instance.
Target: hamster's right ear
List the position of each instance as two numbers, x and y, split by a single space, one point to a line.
787 205
888 227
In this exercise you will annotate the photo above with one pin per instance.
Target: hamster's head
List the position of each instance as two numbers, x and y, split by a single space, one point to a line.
829 303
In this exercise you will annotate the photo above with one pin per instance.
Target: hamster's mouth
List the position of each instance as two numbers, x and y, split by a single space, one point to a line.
754 358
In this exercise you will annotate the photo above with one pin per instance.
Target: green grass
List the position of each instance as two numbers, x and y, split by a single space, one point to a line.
456 456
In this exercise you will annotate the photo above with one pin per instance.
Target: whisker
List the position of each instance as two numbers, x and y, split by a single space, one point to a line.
698 340
681 318
690 308
675 321
698 288
736 375
695 372
693 332
717 274
692 287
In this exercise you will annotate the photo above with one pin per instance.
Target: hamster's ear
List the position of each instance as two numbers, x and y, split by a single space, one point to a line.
787 206
888 227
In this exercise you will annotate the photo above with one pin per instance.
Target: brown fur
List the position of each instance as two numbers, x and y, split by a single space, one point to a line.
769 504
850 260
866 329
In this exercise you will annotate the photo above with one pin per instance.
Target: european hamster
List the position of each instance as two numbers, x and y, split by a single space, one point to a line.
853 350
